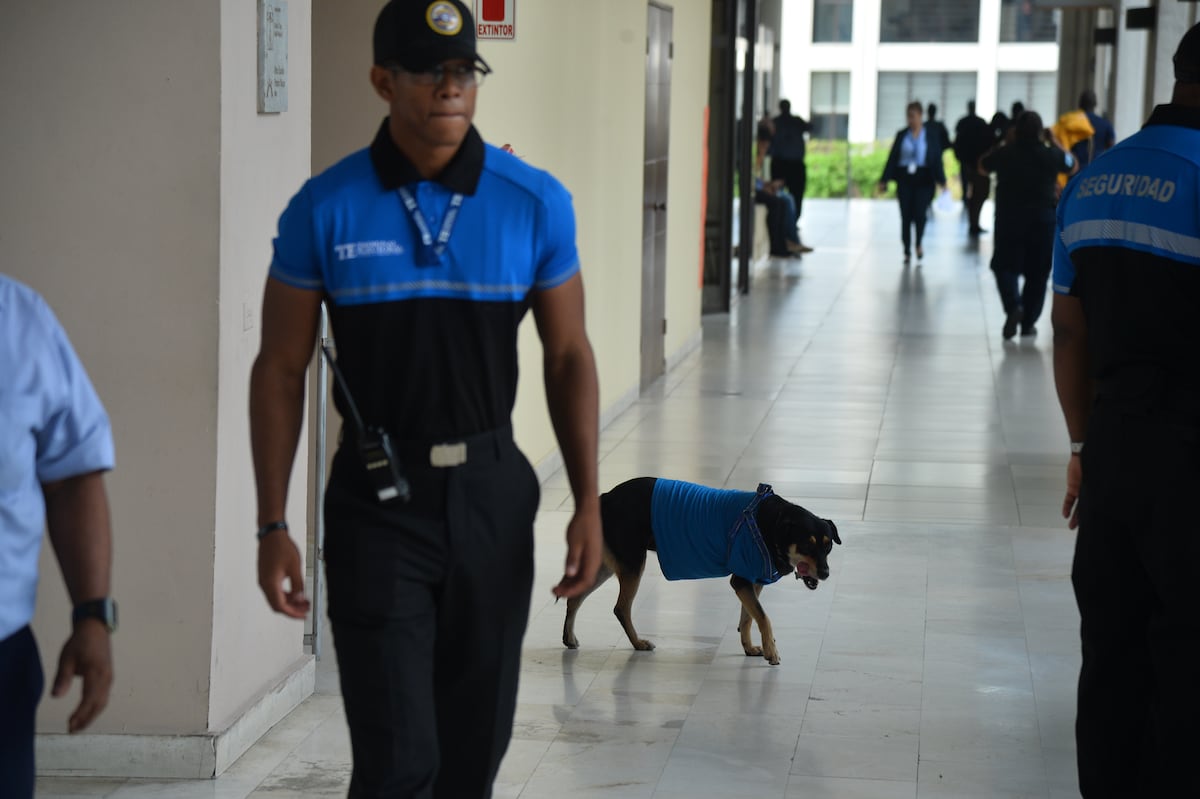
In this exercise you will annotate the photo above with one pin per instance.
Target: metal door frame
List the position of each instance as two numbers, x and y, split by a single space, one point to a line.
659 287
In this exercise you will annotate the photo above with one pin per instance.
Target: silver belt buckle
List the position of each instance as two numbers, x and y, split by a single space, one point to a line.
444 456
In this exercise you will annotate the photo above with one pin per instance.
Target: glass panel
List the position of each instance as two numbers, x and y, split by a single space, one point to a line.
950 91
1020 21
1038 91
833 20
831 105
929 21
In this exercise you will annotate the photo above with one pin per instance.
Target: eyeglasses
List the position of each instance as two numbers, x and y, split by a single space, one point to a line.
463 75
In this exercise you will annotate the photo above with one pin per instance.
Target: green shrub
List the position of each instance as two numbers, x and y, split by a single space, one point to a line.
828 166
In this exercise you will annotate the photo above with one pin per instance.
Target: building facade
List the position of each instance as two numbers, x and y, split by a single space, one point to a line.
853 65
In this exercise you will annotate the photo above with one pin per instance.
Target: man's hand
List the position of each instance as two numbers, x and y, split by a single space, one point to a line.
279 560
585 546
1070 509
87 654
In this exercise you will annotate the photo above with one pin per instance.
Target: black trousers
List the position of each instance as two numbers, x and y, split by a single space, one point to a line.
976 188
794 175
915 193
1024 247
1135 582
428 604
21 684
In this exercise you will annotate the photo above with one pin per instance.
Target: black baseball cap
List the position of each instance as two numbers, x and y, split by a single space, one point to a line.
420 34
1187 57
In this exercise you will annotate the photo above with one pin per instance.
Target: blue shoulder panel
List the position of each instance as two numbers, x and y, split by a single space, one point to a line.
346 235
1141 195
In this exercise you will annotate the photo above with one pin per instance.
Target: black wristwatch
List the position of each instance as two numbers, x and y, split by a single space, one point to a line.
103 609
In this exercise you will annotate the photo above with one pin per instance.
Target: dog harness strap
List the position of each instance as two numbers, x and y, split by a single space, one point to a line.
749 520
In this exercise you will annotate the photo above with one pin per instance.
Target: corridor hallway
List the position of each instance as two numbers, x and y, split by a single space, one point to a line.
939 659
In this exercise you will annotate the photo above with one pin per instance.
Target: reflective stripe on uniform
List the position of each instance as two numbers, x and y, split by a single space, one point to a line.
1117 232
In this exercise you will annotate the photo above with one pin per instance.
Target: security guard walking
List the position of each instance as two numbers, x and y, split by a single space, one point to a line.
1127 283
428 247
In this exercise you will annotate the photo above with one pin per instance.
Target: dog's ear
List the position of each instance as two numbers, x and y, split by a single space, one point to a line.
833 529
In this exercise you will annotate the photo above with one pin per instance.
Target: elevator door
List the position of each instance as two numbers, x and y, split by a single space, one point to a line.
654 214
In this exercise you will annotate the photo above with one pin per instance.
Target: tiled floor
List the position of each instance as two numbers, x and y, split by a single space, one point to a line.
939 659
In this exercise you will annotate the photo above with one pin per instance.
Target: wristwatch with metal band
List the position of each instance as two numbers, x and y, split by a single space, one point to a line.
1076 447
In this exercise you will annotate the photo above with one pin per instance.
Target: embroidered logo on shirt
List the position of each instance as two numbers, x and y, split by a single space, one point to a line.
367 249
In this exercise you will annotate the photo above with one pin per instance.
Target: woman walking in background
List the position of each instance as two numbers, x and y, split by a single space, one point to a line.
1027 165
915 165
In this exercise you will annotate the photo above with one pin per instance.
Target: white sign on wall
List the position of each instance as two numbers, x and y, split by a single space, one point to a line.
495 19
272 56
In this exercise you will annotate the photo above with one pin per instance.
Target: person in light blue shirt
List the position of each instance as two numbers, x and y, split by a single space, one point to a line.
915 164
55 445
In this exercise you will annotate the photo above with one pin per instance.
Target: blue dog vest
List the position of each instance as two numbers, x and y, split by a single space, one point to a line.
709 532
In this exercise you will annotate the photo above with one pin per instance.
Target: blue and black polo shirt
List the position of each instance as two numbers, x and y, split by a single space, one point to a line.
1128 246
429 350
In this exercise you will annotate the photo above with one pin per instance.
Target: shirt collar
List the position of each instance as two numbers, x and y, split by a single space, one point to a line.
1178 115
461 175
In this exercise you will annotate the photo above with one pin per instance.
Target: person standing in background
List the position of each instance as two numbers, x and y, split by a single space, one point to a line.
1027 169
1126 290
55 446
972 138
1103 136
788 149
914 166
937 126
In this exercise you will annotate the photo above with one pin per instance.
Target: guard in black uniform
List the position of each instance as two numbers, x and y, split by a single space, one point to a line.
1126 344
428 247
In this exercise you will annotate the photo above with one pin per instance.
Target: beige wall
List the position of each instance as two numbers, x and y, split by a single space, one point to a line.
264 158
568 94
110 209
140 192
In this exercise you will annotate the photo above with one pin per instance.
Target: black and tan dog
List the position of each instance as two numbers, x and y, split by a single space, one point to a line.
698 532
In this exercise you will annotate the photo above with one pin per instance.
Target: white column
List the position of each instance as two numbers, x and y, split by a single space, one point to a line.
986 101
864 74
795 55
1129 108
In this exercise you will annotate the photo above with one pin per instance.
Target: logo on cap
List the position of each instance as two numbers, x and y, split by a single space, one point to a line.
444 18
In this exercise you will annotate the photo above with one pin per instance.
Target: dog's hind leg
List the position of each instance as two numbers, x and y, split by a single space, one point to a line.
748 594
605 571
629 581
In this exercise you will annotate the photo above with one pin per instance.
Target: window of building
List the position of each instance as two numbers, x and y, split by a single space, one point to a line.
833 20
1022 21
1037 91
949 91
831 105
929 21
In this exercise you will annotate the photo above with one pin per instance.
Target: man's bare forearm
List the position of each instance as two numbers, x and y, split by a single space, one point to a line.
276 413
572 393
1071 379
77 518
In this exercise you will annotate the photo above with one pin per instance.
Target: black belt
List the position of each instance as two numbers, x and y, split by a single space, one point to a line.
486 447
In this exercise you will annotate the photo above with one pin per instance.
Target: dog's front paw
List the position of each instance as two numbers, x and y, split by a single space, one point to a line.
753 651
771 654
570 641
642 645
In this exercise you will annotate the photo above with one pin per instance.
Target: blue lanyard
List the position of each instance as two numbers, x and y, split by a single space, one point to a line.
431 251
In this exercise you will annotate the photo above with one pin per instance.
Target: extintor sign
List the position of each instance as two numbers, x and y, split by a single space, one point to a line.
495 19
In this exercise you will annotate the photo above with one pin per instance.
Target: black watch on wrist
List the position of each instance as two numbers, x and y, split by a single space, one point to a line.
104 610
